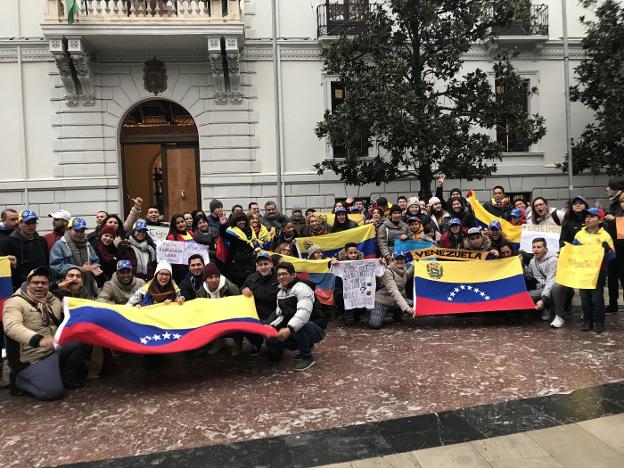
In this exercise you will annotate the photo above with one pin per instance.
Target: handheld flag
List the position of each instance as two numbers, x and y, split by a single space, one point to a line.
316 272
330 218
363 236
160 328
407 246
476 286
484 217
6 286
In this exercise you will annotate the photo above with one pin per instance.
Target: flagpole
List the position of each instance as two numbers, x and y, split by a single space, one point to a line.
566 84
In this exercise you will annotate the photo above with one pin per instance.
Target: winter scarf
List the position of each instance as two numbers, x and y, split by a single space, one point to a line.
144 254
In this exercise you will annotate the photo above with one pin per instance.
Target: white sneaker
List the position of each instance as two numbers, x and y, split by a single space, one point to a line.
557 322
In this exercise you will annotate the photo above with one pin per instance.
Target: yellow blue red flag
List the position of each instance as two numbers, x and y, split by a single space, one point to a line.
160 328
478 286
511 231
316 272
363 236
6 285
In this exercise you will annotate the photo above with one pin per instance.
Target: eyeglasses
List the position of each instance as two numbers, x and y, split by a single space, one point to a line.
163 274
283 274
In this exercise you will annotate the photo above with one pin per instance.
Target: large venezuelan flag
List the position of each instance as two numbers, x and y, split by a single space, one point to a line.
330 218
316 272
484 217
6 285
476 286
363 236
159 328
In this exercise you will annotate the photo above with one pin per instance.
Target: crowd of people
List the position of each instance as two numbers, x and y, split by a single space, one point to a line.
117 263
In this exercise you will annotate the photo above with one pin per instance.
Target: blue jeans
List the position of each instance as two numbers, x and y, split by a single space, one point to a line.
592 300
303 340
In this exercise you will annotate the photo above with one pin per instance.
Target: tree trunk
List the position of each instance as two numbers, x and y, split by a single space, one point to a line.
425 176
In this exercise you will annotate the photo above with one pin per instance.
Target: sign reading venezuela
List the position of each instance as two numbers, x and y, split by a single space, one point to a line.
448 254
477 286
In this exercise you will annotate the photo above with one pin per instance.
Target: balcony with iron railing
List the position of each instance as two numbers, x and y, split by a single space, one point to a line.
528 32
345 18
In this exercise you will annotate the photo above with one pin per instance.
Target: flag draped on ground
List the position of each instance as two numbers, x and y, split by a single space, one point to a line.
476 286
6 286
484 217
316 272
73 7
363 236
161 328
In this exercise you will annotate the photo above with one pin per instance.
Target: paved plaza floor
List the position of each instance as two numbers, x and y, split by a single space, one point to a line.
426 384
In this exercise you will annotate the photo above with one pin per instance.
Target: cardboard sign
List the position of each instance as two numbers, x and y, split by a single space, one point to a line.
178 253
358 282
158 233
579 265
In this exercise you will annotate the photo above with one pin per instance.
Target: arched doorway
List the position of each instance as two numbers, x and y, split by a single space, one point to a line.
160 157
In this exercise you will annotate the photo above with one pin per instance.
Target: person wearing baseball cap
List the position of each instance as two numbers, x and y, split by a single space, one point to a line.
140 250
592 300
391 297
60 220
121 286
31 317
28 248
496 235
415 227
74 251
453 238
517 216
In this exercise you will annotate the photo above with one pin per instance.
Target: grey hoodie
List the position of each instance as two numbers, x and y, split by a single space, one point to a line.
543 271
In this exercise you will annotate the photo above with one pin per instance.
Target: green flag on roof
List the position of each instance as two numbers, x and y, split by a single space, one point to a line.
73 7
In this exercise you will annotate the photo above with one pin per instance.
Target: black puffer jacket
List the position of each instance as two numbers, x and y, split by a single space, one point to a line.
30 254
264 289
572 223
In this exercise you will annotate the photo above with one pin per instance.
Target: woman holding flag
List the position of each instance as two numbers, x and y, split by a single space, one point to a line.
240 241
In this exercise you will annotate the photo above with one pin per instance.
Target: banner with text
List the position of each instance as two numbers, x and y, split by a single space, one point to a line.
178 253
532 231
358 282
448 254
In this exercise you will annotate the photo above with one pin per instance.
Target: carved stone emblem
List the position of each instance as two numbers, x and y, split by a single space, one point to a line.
155 76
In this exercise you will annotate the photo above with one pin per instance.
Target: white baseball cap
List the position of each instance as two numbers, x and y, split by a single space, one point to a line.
60 214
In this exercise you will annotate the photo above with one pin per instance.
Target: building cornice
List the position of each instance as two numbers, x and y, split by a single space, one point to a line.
37 50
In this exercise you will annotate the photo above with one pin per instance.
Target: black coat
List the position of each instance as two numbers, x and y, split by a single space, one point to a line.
190 286
241 261
570 227
30 254
264 289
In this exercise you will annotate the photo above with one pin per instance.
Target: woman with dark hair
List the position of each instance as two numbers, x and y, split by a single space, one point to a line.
342 221
377 217
108 254
140 250
574 219
242 242
201 230
287 235
119 231
463 213
178 231
542 214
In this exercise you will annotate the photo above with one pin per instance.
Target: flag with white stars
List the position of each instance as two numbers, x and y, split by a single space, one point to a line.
160 328
447 287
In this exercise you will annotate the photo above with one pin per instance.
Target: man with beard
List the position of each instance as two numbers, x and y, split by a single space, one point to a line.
31 318
74 251
29 248
121 286
272 219
60 219
70 286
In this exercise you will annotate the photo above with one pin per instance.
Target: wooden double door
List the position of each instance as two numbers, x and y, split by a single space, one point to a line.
162 174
